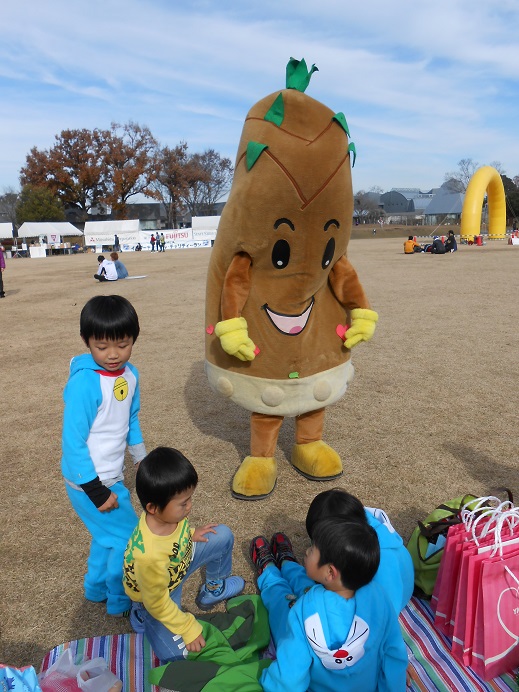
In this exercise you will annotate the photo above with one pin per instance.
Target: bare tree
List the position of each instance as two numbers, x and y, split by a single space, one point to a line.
498 166
210 178
367 207
129 157
458 180
8 202
172 182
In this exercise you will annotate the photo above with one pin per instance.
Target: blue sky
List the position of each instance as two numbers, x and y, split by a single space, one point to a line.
422 85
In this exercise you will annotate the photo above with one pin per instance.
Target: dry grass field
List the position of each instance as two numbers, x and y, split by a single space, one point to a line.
432 412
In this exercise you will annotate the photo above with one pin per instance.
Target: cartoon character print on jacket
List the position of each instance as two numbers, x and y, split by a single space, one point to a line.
348 654
177 568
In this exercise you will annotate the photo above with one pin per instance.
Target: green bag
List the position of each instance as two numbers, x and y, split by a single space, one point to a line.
426 559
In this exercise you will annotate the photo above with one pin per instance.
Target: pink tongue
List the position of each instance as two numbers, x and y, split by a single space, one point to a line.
295 330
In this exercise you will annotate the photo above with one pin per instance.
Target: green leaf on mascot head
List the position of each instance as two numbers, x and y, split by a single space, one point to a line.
341 119
276 112
254 151
298 76
353 150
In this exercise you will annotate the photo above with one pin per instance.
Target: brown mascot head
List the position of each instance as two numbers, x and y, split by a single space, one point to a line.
290 210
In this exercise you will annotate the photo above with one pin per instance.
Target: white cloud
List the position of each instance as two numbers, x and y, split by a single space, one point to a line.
422 85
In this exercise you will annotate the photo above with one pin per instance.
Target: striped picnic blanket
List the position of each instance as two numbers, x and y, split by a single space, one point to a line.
129 656
432 665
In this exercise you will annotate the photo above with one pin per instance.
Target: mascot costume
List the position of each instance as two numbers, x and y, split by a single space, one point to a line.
284 305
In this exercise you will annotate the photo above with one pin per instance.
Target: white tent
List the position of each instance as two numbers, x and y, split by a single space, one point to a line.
36 229
6 230
205 227
104 232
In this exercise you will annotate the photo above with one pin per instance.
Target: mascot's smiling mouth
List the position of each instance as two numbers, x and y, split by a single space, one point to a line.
289 324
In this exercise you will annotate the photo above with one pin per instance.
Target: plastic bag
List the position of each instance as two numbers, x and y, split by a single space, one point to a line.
66 676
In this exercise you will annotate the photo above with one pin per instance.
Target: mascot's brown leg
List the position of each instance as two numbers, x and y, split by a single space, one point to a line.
256 477
312 457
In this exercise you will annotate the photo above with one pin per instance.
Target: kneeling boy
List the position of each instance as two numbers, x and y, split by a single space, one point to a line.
341 633
163 551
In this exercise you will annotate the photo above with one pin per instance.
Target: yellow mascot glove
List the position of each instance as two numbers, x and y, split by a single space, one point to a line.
235 339
362 327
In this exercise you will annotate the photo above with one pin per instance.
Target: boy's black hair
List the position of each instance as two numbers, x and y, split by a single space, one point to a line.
162 474
352 548
101 258
410 237
108 317
332 503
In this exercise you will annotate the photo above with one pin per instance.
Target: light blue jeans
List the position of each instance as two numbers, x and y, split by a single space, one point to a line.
280 588
110 533
216 555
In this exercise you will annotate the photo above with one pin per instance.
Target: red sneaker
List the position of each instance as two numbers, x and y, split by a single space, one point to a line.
281 548
261 554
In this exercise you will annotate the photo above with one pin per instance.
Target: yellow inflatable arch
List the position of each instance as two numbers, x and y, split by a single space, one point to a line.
485 179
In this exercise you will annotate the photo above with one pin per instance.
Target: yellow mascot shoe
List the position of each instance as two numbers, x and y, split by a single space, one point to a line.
255 479
316 461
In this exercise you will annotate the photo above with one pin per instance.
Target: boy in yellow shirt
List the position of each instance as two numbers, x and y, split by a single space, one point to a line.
163 551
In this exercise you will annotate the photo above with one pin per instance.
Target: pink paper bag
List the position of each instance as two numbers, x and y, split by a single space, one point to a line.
496 631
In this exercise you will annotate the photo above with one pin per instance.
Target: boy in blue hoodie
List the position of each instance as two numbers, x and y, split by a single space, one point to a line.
341 632
102 403
396 572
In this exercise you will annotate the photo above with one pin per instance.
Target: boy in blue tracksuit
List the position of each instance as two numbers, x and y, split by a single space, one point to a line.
102 403
396 572
339 633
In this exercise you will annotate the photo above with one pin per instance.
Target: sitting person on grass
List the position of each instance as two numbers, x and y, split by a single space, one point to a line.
438 248
121 270
411 246
450 244
396 572
164 551
106 270
332 626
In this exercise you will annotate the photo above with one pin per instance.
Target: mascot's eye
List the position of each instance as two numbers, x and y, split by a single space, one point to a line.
281 254
328 253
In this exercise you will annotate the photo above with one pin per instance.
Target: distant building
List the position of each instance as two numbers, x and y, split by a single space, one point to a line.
446 205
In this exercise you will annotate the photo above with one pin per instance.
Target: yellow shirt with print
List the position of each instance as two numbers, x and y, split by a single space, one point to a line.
153 567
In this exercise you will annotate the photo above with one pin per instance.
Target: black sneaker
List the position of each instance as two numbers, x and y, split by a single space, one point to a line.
260 554
281 548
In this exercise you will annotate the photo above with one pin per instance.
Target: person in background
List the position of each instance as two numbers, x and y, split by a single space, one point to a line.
121 270
450 244
2 269
162 243
117 247
138 247
411 246
106 270
152 241
438 248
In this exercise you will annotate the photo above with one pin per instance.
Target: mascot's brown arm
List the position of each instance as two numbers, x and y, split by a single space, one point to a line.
236 286
346 285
